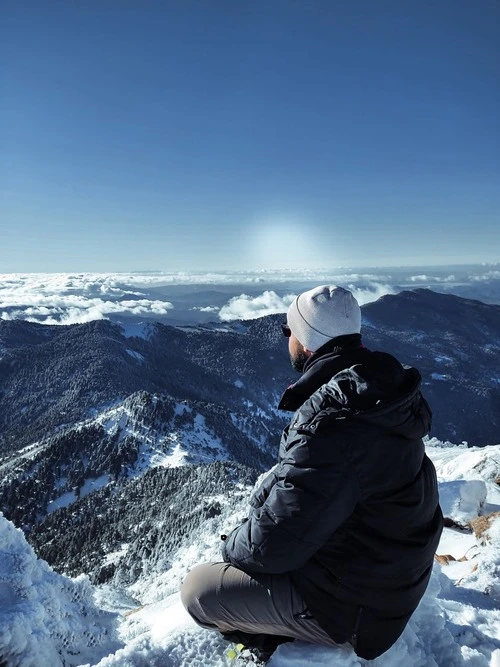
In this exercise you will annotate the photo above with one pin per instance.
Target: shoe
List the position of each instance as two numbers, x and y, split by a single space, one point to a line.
257 648
247 655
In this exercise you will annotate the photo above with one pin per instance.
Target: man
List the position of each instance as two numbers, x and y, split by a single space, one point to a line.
340 539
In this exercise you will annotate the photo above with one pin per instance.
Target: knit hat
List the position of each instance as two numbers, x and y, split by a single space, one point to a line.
323 313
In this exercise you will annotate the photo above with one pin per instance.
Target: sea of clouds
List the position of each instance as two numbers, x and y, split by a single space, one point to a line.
64 298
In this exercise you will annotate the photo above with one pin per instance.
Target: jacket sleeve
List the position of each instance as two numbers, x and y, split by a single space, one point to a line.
315 491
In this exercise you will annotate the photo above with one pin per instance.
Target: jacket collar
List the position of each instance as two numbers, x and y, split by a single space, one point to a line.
338 354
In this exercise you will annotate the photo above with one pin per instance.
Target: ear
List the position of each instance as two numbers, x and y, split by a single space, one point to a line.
308 353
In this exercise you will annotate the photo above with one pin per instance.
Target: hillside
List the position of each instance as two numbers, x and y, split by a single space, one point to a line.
47 618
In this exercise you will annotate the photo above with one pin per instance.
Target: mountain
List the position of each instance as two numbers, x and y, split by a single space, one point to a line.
97 420
52 377
455 343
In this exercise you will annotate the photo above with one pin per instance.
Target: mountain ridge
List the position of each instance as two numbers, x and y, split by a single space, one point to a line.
86 410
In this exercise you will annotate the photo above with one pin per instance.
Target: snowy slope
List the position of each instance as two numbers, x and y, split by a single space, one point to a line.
457 622
46 619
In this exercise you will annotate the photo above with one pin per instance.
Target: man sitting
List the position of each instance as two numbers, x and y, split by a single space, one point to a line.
340 537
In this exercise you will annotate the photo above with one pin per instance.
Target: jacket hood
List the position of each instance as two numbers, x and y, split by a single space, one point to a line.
403 411
370 386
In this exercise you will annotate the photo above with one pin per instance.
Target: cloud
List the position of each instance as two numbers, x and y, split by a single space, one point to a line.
488 275
246 307
370 293
423 278
205 309
72 299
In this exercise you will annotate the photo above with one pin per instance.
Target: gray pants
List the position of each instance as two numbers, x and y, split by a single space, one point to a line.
220 597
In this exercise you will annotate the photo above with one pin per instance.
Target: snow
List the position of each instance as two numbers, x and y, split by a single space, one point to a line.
138 330
462 500
442 359
181 408
438 376
90 485
172 458
475 463
136 355
49 619
115 556
63 501
163 634
93 484
193 442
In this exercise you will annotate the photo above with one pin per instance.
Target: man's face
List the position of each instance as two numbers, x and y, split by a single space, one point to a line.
298 356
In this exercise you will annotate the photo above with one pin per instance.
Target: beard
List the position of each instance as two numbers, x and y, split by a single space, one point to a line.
298 359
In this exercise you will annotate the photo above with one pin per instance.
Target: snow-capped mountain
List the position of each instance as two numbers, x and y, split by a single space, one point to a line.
52 377
121 443
87 410
127 450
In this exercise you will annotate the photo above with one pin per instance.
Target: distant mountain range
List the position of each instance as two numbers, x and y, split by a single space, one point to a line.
98 422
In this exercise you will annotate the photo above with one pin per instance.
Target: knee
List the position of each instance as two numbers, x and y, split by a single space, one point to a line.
192 586
199 590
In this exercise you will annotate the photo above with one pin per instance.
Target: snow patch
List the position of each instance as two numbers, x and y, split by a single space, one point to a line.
138 330
182 408
115 556
462 500
63 501
90 485
136 355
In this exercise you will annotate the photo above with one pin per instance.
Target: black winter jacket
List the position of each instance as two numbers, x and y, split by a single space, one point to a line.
351 510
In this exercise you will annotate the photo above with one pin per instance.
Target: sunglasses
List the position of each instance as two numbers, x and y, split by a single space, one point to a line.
287 332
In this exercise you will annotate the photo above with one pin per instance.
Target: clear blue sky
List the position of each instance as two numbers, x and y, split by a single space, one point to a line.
225 133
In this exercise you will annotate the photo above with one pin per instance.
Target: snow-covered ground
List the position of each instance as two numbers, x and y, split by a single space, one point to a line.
47 620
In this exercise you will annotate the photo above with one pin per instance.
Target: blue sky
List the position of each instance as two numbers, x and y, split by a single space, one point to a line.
220 134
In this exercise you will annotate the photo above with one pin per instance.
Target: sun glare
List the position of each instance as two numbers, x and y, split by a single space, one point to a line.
280 244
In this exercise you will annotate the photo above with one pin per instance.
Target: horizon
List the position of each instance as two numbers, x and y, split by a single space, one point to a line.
180 298
270 269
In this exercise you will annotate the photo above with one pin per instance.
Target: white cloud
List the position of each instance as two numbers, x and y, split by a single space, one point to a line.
488 275
69 298
371 293
432 279
72 299
129 284
246 307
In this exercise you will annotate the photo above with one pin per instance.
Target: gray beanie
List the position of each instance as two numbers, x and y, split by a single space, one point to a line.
323 313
